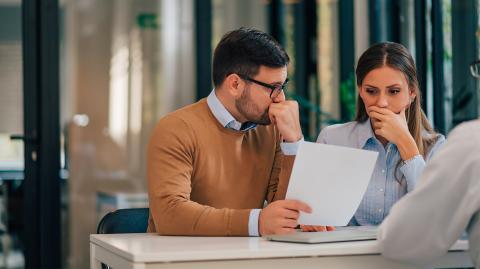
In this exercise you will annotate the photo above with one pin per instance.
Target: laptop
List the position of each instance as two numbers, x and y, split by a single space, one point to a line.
341 234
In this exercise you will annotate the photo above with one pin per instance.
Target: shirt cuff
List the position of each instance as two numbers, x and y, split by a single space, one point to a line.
290 148
412 169
253 222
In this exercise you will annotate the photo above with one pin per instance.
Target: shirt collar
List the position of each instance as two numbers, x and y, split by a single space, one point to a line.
365 133
224 117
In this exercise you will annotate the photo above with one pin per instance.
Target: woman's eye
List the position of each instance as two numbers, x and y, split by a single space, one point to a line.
394 91
371 91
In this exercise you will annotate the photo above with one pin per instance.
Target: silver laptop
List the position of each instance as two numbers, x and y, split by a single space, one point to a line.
341 234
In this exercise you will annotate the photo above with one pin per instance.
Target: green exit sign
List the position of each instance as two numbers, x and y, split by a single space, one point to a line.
147 21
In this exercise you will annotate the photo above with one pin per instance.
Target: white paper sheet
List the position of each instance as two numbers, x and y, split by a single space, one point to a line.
331 180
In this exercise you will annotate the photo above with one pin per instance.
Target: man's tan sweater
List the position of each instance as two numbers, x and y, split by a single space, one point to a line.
203 178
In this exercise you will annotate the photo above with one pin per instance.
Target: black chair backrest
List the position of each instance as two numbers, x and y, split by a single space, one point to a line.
130 220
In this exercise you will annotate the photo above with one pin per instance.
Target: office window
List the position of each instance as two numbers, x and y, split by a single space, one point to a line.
232 14
125 65
11 92
11 122
463 49
328 65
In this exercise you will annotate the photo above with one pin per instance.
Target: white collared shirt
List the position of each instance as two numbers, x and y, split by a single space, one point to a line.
446 201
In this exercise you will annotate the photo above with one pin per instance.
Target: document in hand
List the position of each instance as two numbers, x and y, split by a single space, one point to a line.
331 180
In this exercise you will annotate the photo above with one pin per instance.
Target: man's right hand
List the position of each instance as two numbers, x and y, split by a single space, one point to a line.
281 217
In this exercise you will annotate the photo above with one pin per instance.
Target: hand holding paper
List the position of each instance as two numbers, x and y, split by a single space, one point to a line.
281 217
331 180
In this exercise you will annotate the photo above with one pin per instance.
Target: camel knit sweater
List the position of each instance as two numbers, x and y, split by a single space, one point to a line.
203 178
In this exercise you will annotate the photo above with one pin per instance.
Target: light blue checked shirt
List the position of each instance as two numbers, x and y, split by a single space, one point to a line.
384 189
228 121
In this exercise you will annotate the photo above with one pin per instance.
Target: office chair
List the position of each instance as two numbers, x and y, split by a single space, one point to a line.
129 220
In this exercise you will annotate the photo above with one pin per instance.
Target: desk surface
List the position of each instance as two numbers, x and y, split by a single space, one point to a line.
155 248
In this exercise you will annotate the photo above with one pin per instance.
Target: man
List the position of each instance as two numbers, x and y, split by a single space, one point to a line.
211 165
427 222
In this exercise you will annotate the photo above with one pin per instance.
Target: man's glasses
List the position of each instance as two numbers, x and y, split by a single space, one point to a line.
275 89
475 69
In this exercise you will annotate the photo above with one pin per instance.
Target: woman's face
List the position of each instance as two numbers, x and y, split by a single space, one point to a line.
386 87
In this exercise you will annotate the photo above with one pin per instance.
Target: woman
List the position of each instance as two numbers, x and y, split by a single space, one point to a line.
390 121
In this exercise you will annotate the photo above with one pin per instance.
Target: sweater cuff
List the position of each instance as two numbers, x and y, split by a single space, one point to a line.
238 224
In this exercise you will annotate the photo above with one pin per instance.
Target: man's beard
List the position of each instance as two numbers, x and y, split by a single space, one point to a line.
247 108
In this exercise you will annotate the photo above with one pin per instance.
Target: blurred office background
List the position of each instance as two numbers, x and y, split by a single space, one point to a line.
88 102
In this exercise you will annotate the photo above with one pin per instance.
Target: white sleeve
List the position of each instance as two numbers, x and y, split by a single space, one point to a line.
426 222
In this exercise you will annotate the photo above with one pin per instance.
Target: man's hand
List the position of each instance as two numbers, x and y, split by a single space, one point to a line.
286 117
314 228
281 217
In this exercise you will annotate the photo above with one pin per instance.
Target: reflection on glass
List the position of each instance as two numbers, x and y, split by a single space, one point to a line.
127 64
11 153
118 101
11 122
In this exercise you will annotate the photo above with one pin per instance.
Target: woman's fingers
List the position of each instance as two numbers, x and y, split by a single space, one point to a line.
314 228
380 110
378 116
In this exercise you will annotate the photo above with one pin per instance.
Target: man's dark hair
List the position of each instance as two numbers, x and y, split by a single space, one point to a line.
243 51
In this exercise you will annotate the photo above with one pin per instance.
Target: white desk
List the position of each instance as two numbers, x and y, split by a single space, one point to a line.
140 251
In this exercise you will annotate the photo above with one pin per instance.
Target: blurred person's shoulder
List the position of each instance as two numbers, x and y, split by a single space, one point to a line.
466 132
462 144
